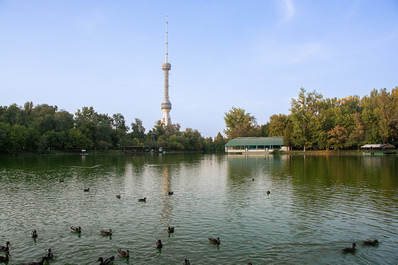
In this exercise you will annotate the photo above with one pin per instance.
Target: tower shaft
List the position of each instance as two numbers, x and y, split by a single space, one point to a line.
166 104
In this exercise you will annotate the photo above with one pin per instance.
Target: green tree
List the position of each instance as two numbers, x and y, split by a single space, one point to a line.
18 137
63 121
337 137
385 112
277 125
240 124
219 142
304 117
357 135
5 129
369 117
138 130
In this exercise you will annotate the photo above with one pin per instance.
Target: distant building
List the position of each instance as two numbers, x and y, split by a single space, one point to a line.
254 145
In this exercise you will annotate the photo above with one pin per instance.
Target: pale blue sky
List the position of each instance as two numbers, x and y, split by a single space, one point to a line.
253 54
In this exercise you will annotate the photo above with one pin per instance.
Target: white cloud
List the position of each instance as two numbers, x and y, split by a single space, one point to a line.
289 9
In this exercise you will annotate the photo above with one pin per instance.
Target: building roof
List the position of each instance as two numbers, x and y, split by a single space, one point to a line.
384 146
255 141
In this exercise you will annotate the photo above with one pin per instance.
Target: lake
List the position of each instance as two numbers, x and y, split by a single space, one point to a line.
317 206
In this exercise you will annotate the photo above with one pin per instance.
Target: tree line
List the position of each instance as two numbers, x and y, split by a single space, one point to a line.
315 122
43 128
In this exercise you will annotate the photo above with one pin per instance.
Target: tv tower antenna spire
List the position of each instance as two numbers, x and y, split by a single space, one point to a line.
167 39
166 104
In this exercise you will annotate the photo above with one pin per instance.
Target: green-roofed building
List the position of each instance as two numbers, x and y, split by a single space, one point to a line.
254 145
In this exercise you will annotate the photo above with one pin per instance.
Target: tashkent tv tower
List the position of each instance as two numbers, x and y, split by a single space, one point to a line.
166 104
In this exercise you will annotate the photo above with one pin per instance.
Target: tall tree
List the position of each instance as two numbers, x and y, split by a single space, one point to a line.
240 124
277 125
337 137
304 117
138 130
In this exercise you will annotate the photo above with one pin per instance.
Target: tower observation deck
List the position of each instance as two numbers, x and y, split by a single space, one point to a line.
166 66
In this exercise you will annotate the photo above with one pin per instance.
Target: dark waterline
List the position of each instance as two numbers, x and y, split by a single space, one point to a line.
318 205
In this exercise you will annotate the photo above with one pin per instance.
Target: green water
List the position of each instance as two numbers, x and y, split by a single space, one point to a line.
318 205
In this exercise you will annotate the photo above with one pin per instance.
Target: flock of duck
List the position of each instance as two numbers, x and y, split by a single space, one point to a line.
125 254
364 243
47 257
77 229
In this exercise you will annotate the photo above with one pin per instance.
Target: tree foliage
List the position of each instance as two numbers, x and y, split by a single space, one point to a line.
240 124
42 127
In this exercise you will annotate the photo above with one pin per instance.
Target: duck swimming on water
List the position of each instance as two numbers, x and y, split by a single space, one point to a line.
76 229
106 233
34 234
214 240
49 255
370 243
123 254
5 248
159 244
107 261
350 250
4 259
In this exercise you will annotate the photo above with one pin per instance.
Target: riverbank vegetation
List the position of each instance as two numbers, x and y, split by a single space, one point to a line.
314 122
44 128
319 123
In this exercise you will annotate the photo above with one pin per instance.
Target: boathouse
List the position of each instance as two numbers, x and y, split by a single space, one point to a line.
254 145
378 149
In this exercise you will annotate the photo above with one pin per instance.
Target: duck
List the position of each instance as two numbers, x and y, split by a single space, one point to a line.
142 200
268 192
370 243
4 259
49 255
34 234
107 261
106 233
159 244
87 189
187 262
41 262
170 229
76 229
214 240
123 254
171 192
350 250
5 248
118 196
